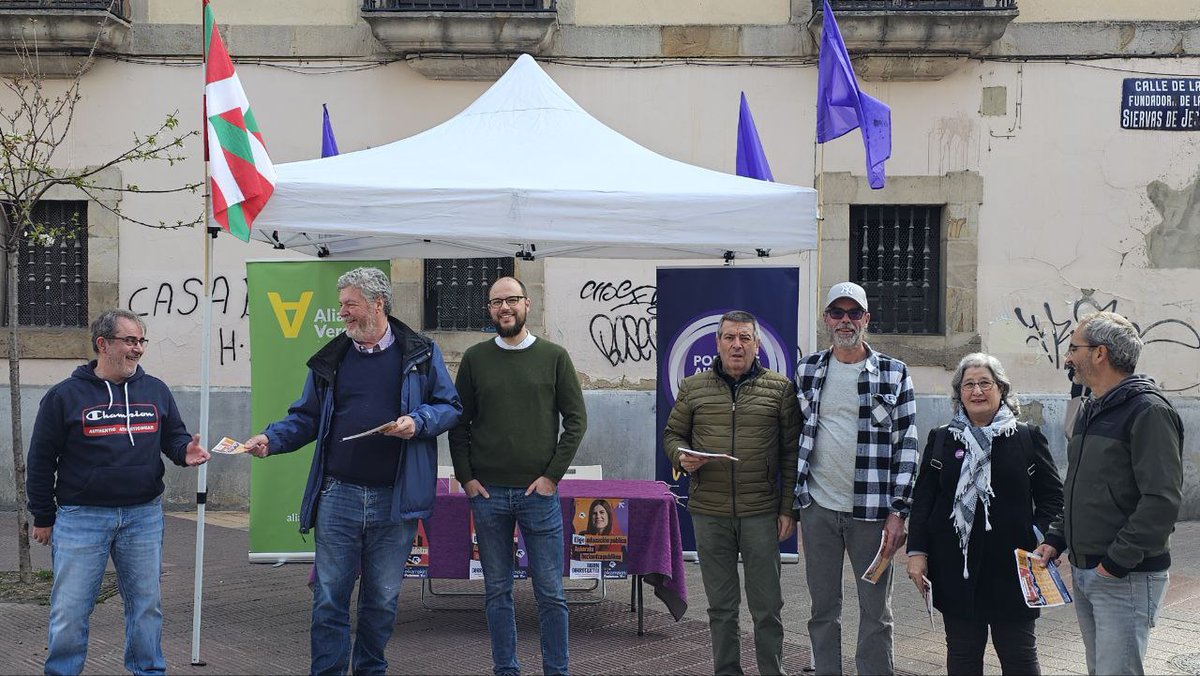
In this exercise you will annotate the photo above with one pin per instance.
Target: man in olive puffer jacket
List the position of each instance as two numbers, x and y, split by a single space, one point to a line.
1122 495
738 506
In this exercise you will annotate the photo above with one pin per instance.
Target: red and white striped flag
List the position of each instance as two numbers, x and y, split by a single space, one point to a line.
241 175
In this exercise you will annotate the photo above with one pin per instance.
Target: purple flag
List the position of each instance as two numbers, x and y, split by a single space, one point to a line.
751 160
328 142
841 106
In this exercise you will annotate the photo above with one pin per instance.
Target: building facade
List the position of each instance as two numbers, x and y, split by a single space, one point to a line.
1034 177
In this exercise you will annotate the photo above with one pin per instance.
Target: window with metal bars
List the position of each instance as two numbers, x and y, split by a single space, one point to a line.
456 291
52 266
895 254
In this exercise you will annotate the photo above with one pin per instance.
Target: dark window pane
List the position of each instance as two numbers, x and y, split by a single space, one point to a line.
895 254
52 266
456 291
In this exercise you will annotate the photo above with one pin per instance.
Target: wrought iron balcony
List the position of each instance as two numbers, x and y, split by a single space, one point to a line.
458 5
916 5
118 8
915 39
461 39
64 34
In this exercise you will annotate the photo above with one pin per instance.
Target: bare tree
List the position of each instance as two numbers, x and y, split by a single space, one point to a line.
36 112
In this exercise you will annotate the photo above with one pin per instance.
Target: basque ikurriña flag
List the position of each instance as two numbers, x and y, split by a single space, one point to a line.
241 176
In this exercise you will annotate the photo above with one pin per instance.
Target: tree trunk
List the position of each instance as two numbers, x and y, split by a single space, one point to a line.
14 390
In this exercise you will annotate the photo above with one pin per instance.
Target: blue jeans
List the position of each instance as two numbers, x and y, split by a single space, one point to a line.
1115 617
540 519
355 530
83 539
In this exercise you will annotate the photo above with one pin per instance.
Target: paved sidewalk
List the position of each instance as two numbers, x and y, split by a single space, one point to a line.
255 621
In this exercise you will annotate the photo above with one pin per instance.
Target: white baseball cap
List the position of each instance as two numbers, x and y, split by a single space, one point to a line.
847 290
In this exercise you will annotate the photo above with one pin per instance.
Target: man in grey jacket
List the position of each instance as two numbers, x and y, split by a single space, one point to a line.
1122 495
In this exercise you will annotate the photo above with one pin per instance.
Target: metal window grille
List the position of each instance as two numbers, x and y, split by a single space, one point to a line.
52 266
895 254
916 5
456 291
457 5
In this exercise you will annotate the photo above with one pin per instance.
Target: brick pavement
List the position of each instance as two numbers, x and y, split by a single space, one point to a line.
255 621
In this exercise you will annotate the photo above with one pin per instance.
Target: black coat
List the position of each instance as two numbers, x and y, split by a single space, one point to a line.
1022 500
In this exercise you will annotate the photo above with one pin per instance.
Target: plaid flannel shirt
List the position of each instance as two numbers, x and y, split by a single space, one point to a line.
885 468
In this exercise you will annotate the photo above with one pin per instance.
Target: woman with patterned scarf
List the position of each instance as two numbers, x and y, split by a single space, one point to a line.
987 485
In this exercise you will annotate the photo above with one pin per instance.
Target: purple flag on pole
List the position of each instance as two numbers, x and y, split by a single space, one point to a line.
751 160
841 106
328 142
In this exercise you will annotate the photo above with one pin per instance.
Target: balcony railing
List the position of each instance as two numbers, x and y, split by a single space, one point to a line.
117 8
458 5
916 5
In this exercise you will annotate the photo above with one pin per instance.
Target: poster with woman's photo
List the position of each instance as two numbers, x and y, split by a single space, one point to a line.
520 555
599 539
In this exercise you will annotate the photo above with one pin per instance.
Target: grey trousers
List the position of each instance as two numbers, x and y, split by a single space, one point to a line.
1115 617
718 542
827 535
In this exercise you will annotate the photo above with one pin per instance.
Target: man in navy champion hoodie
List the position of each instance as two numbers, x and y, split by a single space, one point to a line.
94 479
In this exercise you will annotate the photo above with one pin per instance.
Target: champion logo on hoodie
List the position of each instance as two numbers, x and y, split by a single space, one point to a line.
102 421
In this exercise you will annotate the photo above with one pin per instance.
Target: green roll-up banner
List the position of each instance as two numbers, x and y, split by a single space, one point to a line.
293 313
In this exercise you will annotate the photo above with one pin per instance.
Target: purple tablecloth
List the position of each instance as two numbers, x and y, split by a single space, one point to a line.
655 550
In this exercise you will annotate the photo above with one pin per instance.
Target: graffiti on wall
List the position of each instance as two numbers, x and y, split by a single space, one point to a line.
623 325
183 297
1050 333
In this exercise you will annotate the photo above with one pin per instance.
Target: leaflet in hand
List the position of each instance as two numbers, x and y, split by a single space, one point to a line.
228 446
382 429
702 454
1042 587
929 600
879 564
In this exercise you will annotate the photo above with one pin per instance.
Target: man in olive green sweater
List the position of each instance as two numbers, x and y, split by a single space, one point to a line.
509 456
1122 495
741 506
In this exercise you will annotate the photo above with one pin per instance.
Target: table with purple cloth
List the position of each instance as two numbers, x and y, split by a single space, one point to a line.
655 550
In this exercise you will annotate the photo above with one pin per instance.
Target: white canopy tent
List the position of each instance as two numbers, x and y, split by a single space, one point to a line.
522 171
525 171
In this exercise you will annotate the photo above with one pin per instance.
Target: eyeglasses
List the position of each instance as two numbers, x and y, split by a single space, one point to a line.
983 385
1072 347
837 313
131 341
511 301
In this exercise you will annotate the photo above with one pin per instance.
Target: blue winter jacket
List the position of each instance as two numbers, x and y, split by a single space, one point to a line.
428 396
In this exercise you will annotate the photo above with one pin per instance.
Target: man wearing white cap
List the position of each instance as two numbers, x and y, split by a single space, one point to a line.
857 467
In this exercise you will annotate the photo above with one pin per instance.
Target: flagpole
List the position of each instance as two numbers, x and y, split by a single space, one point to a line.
205 350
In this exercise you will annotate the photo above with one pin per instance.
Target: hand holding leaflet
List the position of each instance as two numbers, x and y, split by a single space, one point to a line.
382 429
879 564
702 454
228 446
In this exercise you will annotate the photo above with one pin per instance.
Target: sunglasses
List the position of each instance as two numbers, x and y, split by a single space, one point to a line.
837 313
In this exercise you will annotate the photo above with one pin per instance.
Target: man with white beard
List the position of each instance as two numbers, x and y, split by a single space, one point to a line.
857 468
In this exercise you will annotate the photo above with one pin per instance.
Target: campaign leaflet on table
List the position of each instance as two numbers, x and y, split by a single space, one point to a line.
599 539
418 559
1042 587
520 555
